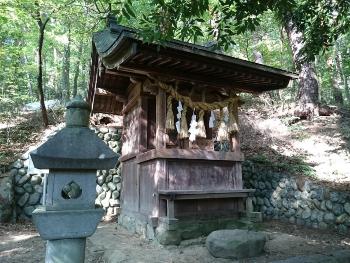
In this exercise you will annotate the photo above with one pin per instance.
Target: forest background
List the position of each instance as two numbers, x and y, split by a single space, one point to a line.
45 45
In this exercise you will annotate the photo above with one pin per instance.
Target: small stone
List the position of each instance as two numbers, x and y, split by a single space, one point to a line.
108 178
100 135
105 201
338 209
306 214
116 137
103 129
113 171
266 202
101 196
115 195
314 215
317 203
34 199
22 171
38 189
19 190
235 244
112 144
292 220
36 179
119 186
107 137
329 218
329 205
98 189
105 187
25 178
285 203
297 195
347 208
28 210
116 179
112 186
23 199
17 164
100 180
341 219
28 188
334 197
323 206
114 202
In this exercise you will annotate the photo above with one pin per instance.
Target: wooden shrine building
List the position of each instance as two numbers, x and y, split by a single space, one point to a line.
179 103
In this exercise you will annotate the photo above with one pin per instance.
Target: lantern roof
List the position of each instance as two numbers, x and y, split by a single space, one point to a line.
76 146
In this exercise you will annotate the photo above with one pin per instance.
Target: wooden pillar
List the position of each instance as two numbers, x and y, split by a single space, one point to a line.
160 119
143 124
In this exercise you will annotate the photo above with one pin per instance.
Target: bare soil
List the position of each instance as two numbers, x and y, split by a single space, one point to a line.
21 243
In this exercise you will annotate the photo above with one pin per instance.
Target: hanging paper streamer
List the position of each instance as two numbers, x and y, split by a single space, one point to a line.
201 133
232 126
222 134
178 116
183 127
193 127
212 120
169 123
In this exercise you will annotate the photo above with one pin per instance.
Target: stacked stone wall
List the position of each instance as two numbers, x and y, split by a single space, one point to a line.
296 200
28 185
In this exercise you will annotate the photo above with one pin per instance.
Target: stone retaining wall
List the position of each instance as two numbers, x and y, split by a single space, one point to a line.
28 184
298 201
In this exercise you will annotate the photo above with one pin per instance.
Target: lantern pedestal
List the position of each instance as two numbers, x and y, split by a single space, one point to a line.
66 250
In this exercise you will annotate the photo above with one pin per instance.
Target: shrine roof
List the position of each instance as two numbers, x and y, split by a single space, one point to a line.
120 56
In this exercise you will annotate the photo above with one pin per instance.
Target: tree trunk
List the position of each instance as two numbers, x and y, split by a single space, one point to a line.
66 66
76 71
307 96
337 94
40 72
339 65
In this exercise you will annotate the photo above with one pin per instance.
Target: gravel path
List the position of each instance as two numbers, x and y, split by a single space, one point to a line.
21 243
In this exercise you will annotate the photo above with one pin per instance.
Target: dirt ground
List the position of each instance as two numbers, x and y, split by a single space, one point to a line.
21 243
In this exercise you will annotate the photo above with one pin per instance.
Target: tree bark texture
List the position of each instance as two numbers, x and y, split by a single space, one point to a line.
42 26
66 66
76 71
308 92
339 65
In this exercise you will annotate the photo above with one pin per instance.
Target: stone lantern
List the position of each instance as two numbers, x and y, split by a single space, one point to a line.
68 214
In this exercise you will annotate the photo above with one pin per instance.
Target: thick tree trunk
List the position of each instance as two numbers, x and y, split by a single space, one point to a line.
76 71
307 97
40 72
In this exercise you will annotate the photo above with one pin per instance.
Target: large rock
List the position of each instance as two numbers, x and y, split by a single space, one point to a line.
6 199
235 244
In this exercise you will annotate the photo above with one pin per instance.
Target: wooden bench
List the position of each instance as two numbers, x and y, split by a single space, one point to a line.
172 195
